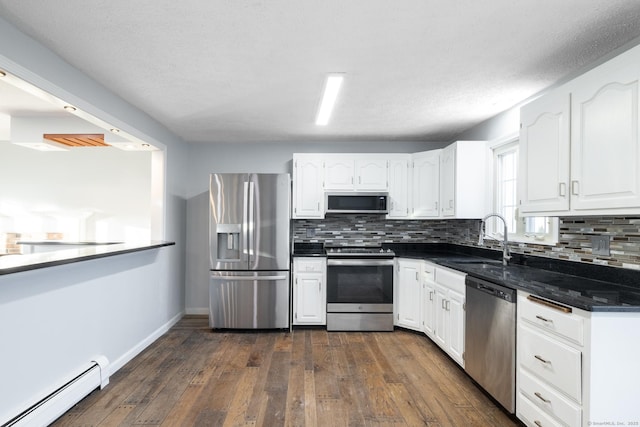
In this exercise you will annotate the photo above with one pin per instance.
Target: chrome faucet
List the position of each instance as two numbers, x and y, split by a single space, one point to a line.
506 256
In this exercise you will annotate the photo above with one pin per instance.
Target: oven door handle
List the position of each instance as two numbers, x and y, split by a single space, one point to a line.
359 262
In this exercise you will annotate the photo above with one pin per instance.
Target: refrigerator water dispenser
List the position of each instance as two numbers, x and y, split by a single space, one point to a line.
228 242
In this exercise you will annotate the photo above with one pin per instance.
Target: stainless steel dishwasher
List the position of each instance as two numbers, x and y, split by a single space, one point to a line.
490 338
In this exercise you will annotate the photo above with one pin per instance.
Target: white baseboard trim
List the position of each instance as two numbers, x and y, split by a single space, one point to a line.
128 356
197 310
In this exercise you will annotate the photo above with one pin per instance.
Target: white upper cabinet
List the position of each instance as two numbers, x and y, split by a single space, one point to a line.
448 183
308 194
372 174
338 174
463 180
425 195
399 186
605 156
580 151
315 173
448 180
348 173
544 154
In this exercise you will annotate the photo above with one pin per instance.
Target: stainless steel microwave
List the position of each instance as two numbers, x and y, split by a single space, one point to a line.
356 203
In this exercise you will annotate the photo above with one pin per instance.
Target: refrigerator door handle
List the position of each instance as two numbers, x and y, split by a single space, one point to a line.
245 219
252 224
248 278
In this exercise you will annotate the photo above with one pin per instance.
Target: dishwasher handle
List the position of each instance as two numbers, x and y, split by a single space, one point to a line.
493 289
488 289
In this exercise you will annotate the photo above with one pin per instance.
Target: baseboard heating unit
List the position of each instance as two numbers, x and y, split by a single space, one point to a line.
52 406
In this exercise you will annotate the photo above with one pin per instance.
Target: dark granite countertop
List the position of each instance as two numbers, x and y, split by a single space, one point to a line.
584 286
62 243
10 264
308 249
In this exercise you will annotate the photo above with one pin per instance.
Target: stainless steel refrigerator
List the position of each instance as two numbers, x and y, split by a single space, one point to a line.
249 250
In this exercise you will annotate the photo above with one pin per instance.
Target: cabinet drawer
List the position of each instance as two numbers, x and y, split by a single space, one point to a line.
567 325
308 265
532 415
451 279
548 399
554 362
429 272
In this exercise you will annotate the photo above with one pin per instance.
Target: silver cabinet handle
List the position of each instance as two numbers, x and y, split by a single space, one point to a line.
549 304
575 187
360 262
539 396
417 278
543 319
359 180
444 304
436 206
451 203
538 423
541 359
448 305
431 296
562 189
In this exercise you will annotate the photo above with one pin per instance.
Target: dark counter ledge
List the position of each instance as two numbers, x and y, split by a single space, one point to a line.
585 286
308 249
10 264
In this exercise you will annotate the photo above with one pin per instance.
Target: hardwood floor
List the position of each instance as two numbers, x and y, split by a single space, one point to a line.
193 376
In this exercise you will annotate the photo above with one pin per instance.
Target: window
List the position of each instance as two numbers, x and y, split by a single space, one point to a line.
540 230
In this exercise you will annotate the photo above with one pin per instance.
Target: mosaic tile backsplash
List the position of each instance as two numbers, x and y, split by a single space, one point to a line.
574 241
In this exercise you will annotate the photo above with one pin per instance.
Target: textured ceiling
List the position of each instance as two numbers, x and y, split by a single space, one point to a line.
253 70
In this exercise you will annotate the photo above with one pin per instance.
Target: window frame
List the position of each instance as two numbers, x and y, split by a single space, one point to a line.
493 228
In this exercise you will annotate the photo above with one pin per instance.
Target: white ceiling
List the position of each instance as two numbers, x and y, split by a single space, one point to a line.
253 70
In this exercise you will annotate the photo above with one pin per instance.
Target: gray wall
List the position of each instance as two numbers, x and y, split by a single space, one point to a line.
205 159
270 157
144 300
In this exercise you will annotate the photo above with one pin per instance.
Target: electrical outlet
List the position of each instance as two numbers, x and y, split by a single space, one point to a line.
600 245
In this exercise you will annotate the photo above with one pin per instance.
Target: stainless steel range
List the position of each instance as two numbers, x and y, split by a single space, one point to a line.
359 288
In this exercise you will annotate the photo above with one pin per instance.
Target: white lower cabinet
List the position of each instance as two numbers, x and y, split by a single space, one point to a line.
408 289
449 312
549 362
575 367
309 291
429 299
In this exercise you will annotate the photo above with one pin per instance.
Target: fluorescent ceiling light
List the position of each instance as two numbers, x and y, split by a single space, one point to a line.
331 89
41 146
